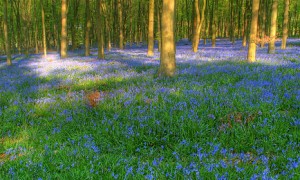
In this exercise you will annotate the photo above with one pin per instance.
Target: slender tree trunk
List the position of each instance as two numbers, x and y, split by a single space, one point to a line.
195 25
151 29
214 19
19 26
271 49
100 30
55 29
159 25
6 36
285 24
36 28
121 34
263 33
245 30
88 25
64 30
253 31
199 21
44 29
76 5
167 55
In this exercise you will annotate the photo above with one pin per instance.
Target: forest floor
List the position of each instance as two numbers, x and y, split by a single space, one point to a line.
218 118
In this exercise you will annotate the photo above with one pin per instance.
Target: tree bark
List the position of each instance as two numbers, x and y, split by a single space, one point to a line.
44 29
167 55
151 29
64 31
6 36
253 31
285 24
199 21
271 49
88 25
100 31
120 17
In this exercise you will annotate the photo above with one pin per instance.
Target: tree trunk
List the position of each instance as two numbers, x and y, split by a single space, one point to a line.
213 23
246 23
100 30
199 21
55 29
44 29
121 36
88 25
285 24
253 31
271 49
6 36
263 33
64 33
167 55
151 29
159 25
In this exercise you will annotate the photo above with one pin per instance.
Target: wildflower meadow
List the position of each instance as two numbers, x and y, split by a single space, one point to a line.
219 117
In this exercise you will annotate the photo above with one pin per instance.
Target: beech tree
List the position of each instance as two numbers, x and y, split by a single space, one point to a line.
253 31
198 21
6 36
271 48
99 25
64 30
44 29
88 25
151 28
167 54
285 24
34 25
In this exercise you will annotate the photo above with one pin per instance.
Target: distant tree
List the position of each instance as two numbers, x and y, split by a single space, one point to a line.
75 4
44 28
88 25
285 24
213 22
198 21
99 25
246 23
271 48
120 18
167 54
253 31
6 36
151 28
64 30
264 8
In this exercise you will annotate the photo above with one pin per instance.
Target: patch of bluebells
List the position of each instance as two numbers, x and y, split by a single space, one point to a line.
32 76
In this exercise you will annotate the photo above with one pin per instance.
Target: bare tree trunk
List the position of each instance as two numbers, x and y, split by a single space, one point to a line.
213 23
151 29
263 33
6 36
253 31
159 26
167 55
44 29
245 34
88 25
285 24
100 30
199 21
271 49
64 30
121 36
